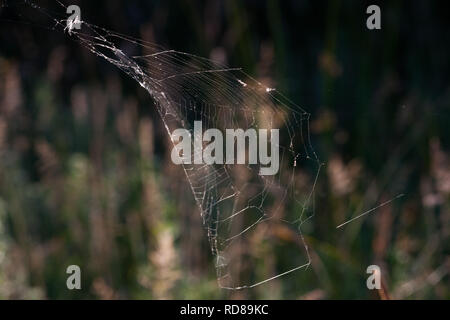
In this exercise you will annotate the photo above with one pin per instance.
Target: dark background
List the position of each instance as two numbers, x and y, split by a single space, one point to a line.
83 172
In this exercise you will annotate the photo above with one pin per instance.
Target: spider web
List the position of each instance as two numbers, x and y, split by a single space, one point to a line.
241 209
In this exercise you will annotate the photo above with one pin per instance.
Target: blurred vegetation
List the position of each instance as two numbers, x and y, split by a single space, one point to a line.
84 176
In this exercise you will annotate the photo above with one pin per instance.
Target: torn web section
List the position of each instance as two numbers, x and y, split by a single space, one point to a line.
248 216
